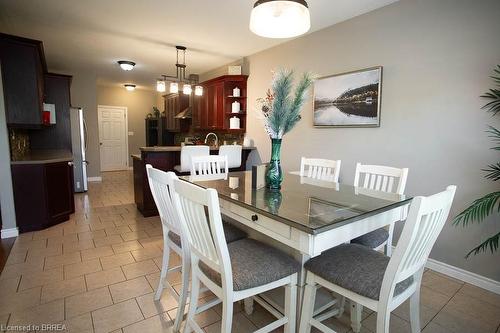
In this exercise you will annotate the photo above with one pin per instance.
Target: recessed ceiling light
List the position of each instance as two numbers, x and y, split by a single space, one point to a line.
280 18
129 87
126 65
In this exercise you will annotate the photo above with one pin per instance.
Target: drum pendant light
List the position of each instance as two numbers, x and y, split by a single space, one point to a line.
280 18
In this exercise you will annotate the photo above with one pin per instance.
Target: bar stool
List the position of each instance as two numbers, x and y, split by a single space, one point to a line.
233 153
187 152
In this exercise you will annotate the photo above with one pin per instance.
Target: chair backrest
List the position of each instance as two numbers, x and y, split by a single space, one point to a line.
381 178
187 152
206 238
320 169
160 184
209 167
425 221
233 153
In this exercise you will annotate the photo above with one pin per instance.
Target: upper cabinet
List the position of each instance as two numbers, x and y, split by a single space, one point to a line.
23 67
58 136
213 110
175 103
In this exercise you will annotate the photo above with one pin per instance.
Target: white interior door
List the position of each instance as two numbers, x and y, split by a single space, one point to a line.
113 137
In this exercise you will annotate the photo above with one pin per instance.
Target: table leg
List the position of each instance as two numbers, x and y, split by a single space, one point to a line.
356 310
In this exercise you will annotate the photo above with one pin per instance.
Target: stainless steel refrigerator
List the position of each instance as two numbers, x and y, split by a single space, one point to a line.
79 147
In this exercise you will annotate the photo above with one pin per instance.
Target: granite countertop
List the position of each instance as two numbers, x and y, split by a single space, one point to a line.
45 156
178 148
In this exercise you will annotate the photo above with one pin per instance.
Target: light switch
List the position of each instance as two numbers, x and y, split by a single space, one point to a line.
130 133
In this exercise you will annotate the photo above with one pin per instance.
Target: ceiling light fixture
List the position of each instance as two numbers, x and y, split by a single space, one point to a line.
198 91
126 65
129 87
174 87
180 77
280 18
161 85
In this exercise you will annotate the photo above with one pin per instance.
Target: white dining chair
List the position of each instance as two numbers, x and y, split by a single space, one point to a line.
320 169
211 167
161 184
379 282
187 152
232 271
383 179
233 153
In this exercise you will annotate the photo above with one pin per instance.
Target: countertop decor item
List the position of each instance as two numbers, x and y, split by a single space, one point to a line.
349 99
489 204
236 92
281 112
280 18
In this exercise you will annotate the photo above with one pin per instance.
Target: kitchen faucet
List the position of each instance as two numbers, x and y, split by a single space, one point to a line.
216 138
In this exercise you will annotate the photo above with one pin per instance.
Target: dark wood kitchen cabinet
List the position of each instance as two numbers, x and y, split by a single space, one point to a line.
173 104
212 111
23 67
58 136
43 194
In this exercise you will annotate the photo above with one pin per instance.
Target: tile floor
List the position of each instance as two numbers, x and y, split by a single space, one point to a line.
97 273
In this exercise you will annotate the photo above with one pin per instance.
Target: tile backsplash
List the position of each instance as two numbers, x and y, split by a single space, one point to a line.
19 144
229 137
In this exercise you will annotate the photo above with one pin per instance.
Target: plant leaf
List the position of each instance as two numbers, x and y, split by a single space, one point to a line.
493 171
491 243
495 135
479 209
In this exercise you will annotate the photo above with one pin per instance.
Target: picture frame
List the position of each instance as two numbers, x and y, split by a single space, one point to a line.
350 99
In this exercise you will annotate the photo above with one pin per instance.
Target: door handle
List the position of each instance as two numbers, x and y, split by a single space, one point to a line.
100 143
70 163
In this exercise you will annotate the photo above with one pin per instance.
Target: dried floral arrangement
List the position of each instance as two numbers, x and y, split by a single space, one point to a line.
280 108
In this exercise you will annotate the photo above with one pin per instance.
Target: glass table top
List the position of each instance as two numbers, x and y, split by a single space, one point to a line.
303 203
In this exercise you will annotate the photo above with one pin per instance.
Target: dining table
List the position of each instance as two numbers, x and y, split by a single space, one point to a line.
305 217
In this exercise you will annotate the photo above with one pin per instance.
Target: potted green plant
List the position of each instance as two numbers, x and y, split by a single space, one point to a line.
281 111
490 203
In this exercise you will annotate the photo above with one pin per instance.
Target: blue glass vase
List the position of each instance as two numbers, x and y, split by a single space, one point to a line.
274 174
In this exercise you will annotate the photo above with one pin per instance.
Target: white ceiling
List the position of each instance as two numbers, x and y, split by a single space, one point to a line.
94 34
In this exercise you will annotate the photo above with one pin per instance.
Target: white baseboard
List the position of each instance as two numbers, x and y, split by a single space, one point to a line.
9 233
94 179
463 275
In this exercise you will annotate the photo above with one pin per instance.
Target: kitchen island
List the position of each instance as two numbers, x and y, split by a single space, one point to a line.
163 158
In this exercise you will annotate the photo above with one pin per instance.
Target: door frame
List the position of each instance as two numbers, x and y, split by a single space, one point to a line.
125 109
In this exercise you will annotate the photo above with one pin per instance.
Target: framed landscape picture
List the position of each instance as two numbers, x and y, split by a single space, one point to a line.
349 99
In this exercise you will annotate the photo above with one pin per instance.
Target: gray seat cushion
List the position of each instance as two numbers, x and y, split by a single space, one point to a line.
230 231
372 239
254 264
355 267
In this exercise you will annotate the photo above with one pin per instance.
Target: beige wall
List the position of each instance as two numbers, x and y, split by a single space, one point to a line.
139 103
437 56
84 95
